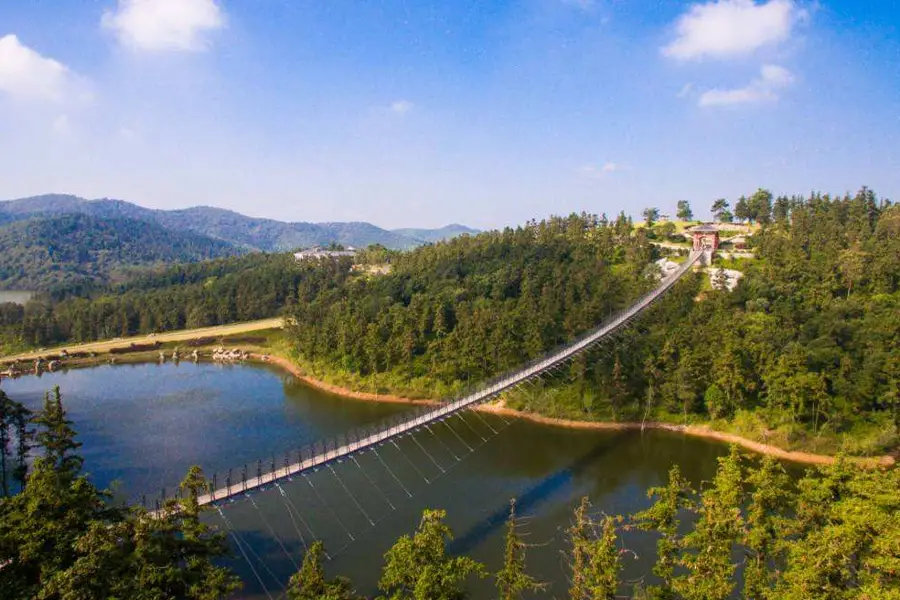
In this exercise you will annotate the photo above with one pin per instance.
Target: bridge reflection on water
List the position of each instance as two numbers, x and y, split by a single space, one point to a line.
318 466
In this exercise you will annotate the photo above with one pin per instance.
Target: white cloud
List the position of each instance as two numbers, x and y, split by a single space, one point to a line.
62 125
729 28
401 107
761 89
26 74
157 25
595 172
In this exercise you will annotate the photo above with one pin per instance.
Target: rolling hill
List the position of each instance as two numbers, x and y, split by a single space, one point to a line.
50 252
246 233
436 235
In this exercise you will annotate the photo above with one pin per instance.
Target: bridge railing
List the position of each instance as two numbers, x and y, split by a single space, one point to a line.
409 421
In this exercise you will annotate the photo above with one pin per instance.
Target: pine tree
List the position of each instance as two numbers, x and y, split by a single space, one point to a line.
57 436
418 568
310 583
594 556
512 580
768 503
719 527
662 517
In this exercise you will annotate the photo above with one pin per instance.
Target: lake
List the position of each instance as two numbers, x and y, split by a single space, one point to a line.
144 425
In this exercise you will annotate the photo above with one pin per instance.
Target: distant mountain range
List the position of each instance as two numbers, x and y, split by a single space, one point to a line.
246 233
55 240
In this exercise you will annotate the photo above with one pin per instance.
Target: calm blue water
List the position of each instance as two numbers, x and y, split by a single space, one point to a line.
144 425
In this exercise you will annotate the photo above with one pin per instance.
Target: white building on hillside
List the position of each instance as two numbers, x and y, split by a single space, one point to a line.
318 253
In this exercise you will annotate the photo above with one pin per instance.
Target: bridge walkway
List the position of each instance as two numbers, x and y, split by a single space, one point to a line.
362 439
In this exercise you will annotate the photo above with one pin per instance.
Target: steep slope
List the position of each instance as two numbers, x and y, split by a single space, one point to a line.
50 252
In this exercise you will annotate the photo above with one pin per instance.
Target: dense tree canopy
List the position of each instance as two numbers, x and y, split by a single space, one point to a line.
195 295
45 253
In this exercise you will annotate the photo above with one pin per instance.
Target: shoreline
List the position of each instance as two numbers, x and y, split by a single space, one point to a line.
699 431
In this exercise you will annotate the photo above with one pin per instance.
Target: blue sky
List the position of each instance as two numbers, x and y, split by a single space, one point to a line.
415 113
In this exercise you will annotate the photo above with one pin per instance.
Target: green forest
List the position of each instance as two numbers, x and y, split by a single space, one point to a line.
66 251
803 354
214 292
752 530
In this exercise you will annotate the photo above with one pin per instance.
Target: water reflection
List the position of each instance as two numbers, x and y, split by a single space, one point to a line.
146 424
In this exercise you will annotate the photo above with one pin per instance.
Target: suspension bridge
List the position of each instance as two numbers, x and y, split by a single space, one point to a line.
337 448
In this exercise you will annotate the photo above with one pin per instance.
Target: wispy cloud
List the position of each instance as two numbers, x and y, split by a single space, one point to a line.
401 107
26 74
732 28
761 89
598 172
685 91
159 25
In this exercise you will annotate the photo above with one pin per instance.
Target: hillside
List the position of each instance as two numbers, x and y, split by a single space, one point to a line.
436 235
51 252
245 232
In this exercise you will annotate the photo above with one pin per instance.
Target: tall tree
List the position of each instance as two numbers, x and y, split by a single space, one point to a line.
418 568
662 517
708 548
512 580
56 434
594 556
742 209
310 583
719 208
684 211
769 503
760 206
651 216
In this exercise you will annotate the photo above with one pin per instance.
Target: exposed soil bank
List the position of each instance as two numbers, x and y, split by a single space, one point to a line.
297 372
701 431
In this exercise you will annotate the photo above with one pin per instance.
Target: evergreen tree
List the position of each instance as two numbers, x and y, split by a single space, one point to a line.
310 583
594 555
742 209
719 208
684 211
719 526
512 580
769 503
418 568
662 517
56 435
60 538
651 216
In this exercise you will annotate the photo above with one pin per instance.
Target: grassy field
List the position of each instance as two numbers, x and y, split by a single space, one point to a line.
164 338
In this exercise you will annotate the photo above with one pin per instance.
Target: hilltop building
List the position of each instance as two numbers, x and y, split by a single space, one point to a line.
319 253
706 237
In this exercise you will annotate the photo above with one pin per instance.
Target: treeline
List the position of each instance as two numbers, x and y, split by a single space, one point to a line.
753 530
808 346
215 292
471 307
805 353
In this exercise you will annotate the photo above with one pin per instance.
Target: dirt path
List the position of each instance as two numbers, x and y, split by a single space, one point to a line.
172 336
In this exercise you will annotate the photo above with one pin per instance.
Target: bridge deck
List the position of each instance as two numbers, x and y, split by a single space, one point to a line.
447 409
